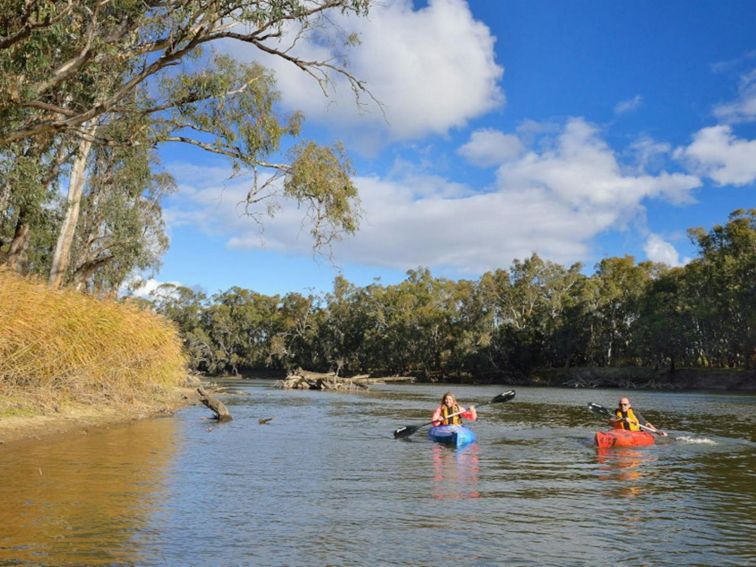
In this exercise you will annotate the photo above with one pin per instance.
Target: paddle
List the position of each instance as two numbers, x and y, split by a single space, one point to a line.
609 414
408 430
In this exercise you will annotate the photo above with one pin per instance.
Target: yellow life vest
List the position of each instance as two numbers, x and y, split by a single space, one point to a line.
630 415
445 412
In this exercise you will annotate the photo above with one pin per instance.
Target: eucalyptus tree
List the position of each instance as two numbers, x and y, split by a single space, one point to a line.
29 203
665 333
521 305
294 340
186 307
726 275
241 325
620 286
468 335
342 327
69 69
403 313
121 224
54 53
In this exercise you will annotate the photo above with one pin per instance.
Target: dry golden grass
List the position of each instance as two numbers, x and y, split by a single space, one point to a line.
58 346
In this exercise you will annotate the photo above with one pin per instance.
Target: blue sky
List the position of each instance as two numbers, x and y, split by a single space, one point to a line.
578 130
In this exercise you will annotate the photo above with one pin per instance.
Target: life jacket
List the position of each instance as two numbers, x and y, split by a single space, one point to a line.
445 412
630 415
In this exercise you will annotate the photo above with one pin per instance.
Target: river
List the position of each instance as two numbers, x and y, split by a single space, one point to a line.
325 483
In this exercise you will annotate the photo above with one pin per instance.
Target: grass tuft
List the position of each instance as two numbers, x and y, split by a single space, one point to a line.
64 345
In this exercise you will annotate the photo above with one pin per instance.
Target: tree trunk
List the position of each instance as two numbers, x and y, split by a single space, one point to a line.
20 243
220 411
87 270
62 255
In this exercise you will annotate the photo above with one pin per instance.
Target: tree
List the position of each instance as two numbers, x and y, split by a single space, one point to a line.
185 307
621 283
55 53
71 70
121 227
727 270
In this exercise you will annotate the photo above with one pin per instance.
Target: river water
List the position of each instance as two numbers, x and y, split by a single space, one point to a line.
325 483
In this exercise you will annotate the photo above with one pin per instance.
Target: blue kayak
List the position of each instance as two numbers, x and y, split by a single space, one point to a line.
454 435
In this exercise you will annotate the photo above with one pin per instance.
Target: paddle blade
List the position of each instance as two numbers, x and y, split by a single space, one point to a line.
405 431
505 397
600 410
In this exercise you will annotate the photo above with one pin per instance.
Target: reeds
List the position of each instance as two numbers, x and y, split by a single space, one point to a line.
73 345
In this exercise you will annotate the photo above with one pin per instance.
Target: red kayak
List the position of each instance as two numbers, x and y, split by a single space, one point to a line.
623 438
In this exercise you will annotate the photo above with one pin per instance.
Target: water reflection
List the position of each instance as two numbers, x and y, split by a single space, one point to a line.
626 465
455 472
80 499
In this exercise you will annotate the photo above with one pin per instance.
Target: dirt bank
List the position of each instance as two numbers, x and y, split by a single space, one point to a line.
81 418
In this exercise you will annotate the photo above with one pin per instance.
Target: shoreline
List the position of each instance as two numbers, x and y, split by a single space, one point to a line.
18 430
637 378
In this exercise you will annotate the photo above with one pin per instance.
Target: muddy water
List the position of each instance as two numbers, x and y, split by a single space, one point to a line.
325 483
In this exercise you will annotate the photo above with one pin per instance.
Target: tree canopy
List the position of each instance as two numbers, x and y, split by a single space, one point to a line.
90 89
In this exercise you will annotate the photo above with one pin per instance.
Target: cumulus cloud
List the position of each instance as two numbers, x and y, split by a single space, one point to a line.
488 147
716 153
628 105
432 69
659 250
583 172
553 201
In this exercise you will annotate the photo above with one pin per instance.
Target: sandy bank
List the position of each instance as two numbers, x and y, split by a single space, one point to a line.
80 419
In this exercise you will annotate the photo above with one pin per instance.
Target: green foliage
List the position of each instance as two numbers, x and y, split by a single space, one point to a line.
320 179
128 76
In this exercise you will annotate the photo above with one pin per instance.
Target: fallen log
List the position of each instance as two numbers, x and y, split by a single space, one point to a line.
366 379
221 413
305 380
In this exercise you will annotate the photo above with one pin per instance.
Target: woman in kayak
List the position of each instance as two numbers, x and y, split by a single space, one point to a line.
629 419
450 412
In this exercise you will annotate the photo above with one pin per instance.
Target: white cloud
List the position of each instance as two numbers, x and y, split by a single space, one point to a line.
583 172
743 109
650 154
488 147
432 69
138 287
628 105
659 250
716 153
552 201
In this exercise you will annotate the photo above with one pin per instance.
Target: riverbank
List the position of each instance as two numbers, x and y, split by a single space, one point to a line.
633 378
70 361
81 418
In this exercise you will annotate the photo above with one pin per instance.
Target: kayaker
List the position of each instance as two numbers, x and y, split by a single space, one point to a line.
627 418
445 413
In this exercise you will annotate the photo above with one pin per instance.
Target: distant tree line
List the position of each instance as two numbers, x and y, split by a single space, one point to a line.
536 314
